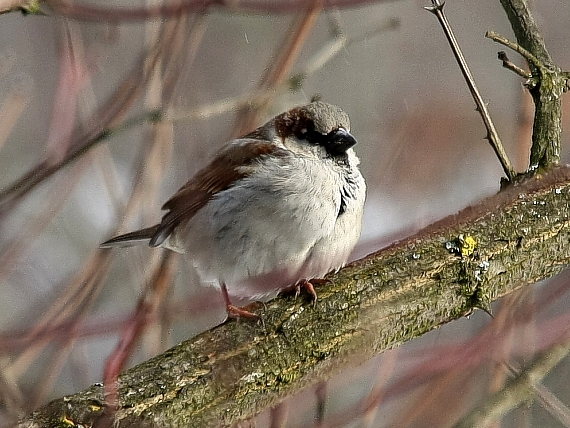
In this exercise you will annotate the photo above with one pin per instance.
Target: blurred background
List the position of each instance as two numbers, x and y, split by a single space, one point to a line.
216 74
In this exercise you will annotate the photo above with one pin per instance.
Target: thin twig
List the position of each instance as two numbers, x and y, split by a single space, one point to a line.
515 47
532 60
279 68
161 11
293 83
41 172
517 391
546 87
492 135
507 63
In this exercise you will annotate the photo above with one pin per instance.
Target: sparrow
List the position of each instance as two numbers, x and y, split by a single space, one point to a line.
275 209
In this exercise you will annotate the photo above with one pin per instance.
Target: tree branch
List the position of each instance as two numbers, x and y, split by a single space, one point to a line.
89 12
492 134
546 87
234 371
517 391
465 261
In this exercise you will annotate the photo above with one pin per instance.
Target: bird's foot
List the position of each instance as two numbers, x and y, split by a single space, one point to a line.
235 312
308 285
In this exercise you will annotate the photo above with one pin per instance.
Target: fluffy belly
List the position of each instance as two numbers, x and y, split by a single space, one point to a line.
266 286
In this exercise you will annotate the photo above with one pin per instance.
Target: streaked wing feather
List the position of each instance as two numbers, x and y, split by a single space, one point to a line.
132 238
228 167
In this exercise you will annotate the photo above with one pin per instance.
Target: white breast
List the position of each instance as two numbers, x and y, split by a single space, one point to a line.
275 227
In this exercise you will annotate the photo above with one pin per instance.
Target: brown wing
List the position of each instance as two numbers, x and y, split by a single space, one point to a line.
228 167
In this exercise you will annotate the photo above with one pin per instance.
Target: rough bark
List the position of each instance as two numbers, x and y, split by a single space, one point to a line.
546 86
234 371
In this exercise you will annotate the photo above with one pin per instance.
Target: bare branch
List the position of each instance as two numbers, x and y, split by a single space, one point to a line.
548 85
27 7
234 371
517 391
260 97
492 135
124 14
514 46
507 63
42 171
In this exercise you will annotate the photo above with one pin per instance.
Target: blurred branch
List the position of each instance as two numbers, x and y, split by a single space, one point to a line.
276 72
181 51
531 59
105 122
519 390
146 310
237 369
27 7
70 307
104 125
293 83
11 195
173 9
116 107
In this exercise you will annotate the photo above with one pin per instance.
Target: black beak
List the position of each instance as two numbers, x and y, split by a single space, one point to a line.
339 141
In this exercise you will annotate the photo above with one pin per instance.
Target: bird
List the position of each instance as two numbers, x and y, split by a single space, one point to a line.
275 209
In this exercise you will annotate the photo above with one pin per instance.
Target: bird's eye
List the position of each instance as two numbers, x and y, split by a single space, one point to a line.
314 137
336 142
307 132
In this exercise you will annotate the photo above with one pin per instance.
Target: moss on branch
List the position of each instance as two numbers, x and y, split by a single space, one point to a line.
234 371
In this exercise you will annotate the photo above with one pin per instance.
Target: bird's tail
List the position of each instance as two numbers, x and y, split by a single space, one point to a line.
130 239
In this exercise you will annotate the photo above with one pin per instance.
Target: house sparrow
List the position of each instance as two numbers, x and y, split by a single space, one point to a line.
276 208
